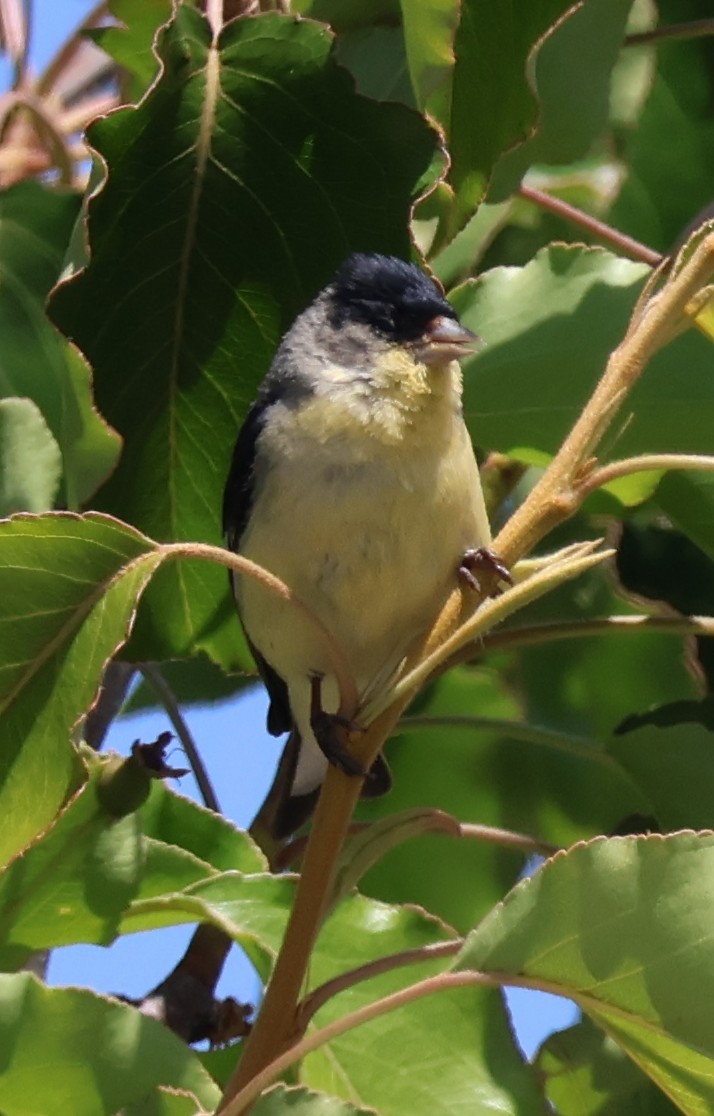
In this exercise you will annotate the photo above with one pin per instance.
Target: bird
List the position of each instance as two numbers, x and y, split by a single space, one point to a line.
353 480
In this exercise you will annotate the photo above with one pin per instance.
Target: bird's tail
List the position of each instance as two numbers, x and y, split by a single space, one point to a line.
283 812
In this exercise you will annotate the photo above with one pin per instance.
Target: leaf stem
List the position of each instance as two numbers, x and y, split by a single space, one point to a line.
645 462
331 988
166 696
622 243
695 29
533 636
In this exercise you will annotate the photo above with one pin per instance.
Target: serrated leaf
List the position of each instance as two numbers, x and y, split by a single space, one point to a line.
587 1074
35 363
621 926
492 103
252 910
570 71
175 820
244 157
130 43
123 1053
440 1047
73 884
69 586
30 459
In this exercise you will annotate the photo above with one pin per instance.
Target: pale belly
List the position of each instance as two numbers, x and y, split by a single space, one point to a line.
371 550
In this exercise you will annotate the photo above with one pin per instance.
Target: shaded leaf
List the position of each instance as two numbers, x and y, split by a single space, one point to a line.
549 329
570 73
587 1074
492 103
35 363
30 459
688 499
621 926
123 1053
73 884
242 159
675 768
551 784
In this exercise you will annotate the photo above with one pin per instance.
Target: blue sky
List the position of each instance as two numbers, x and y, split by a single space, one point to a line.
240 757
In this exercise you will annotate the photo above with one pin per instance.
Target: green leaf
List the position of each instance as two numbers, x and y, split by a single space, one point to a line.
175 820
165 1102
622 927
130 43
123 1053
688 500
549 328
678 105
252 910
304 1102
73 884
587 1074
69 586
429 31
30 459
496 771
570 71
35 363
350 15
376 59
247 174
675 769
465 1063
492 102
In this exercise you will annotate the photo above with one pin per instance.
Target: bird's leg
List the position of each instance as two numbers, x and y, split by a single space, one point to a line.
489 566
325 725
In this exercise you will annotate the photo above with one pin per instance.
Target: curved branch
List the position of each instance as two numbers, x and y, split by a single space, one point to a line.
645 462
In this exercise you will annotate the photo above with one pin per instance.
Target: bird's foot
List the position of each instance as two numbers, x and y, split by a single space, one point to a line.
488 566
326 728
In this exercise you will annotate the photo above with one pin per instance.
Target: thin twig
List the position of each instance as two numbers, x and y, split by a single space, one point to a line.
56 65
624 244
696 29
166 696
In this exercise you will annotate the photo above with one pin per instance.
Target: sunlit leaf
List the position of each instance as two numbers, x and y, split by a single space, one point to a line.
123 1053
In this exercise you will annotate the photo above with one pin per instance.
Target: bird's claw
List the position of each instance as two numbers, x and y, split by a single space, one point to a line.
489 565
325 728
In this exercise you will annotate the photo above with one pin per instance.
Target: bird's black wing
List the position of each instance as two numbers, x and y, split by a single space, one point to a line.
237 504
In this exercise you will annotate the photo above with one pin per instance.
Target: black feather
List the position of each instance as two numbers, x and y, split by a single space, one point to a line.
393 297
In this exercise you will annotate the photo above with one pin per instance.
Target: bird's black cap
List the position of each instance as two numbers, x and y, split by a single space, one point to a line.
393 297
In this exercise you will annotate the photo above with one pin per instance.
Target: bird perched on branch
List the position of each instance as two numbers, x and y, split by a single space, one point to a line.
354 481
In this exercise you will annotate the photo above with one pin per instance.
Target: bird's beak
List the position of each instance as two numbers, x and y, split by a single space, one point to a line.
445 339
